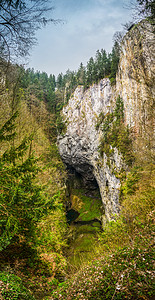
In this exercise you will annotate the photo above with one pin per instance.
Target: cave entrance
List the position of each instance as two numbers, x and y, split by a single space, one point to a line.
83 178
84 199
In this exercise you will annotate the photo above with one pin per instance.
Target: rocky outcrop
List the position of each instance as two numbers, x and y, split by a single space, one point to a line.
79 145
135 77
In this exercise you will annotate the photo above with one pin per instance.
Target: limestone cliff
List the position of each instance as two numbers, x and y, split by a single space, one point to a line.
79 145
135 78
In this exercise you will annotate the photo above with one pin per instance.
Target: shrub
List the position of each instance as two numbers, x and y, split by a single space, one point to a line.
12 288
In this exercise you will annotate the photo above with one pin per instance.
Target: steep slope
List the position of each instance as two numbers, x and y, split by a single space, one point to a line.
135 77
79 145
41 257
88 111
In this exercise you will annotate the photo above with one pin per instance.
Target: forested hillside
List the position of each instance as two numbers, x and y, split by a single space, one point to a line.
57 91
33 223
54 240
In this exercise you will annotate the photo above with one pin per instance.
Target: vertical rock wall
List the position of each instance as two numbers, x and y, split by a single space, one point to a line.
79 145
135 81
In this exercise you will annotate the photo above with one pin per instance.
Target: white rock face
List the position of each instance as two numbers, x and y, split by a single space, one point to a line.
135 78
134 83
79 146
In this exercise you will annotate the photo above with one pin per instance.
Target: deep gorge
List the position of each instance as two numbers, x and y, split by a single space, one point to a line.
79 144
84 211
77 177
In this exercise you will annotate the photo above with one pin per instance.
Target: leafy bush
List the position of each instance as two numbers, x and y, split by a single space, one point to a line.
11 288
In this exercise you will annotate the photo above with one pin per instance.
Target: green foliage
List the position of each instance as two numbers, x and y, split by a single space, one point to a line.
112 81
124 266
12 288
55 92
52 227
130 184
32 214
89 207
83 234
21 201
128 273
114 61
96 69
115 134
60 125
100 120
6 133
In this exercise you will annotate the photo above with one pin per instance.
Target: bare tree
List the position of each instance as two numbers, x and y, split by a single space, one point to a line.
147 8
142 9
19 20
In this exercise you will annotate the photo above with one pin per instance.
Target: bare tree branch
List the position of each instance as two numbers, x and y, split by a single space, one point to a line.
19 21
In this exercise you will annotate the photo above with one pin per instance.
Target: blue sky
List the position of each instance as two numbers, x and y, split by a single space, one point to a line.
88 26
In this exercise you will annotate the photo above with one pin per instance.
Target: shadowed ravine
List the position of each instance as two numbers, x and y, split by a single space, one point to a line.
83 212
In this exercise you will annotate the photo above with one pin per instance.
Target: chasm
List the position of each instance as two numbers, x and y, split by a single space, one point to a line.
84 210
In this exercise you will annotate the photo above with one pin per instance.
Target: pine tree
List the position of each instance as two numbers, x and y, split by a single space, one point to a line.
60 81
21 200
114 60
81 74
91 71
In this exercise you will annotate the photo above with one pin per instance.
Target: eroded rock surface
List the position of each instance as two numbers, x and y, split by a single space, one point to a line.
79 145
134 83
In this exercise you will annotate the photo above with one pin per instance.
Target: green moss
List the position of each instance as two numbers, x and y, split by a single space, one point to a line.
113 81
129 186
88 229
122 268
116 134
91 205
83 236
81 249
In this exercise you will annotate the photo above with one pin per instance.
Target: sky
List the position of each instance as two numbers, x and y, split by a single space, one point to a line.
86 26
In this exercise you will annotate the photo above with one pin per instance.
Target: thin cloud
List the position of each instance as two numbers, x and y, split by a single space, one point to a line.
90 26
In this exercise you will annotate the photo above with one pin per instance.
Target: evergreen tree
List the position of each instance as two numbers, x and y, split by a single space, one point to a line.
60 81
81 74
21 200
98 63
114 60
104 63
91 70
